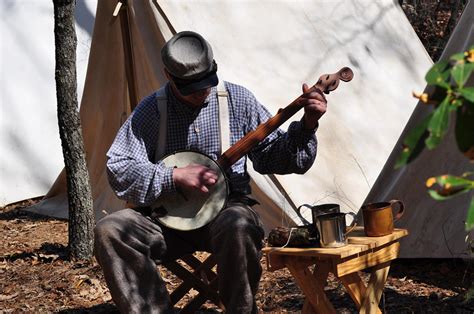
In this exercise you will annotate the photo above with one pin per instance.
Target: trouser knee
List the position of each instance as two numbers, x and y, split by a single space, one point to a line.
243 231
104 233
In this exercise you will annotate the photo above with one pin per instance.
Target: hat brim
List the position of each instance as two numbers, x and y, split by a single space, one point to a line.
194 86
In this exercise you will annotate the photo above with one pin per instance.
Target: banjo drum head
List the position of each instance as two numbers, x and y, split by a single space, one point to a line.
186 210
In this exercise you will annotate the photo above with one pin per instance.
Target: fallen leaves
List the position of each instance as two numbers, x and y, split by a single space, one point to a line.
91 288
35 276
4 297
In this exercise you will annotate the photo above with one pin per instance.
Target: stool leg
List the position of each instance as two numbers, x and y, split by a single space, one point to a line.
193 280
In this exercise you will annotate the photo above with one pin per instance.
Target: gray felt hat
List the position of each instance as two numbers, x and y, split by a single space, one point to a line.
189 59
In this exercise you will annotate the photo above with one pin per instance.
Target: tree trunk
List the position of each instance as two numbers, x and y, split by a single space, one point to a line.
81 214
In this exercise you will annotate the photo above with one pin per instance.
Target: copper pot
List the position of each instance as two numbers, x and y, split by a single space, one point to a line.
378 217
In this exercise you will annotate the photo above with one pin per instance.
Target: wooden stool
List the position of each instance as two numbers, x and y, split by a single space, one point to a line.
202 278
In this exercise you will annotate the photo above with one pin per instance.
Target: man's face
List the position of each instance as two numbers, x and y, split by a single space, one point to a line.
195 99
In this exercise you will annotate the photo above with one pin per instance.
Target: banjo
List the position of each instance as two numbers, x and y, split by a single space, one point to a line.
188 210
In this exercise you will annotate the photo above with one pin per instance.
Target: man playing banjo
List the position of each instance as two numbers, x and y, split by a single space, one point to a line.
130 242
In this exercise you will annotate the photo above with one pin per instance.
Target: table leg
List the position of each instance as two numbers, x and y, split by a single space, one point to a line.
375 288
313 289
356 288
308 308
320 274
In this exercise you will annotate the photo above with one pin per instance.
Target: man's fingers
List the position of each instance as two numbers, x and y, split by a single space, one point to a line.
196 177
313 102
305 88
312 93
210 176
208 181
204 189
316 95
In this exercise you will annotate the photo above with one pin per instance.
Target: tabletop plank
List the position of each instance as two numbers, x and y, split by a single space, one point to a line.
357 240
358 237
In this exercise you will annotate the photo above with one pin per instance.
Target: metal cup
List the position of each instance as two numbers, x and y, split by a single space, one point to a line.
378 217
317 210
332 229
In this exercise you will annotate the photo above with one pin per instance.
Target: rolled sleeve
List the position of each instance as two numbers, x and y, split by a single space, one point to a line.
281 152
299 134
167 183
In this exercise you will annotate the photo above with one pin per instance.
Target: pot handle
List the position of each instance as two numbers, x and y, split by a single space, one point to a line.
353 224
298 212
401 211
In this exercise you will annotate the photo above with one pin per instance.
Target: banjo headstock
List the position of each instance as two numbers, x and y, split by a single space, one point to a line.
329 82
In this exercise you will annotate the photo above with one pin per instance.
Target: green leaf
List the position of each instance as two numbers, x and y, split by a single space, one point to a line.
468 174
470 216
467 92
432 141
439 123
450 181
411 141
447 186
439 74
457 56
464 130
456 103
435 195
461 72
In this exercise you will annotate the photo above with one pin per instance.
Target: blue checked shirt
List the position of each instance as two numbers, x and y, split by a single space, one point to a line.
135 177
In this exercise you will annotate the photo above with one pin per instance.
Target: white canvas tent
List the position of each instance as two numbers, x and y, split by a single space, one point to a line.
30 156
272 47
436 228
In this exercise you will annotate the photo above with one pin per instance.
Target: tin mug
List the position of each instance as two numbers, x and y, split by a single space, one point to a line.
317 210
322 209
332 229
378 217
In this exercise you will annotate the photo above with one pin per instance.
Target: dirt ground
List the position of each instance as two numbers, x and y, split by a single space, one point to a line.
36 277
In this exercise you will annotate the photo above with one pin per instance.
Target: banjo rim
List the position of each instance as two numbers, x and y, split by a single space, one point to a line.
225 181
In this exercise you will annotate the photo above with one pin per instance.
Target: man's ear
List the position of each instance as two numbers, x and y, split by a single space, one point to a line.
167 74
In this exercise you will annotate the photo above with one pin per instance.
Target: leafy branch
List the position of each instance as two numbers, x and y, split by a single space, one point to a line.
449 96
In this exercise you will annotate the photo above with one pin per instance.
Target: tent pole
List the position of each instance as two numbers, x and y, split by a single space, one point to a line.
129 60
128 54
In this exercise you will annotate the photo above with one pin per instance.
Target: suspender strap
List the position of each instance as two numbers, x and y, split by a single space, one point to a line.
223 102
224 126
162 103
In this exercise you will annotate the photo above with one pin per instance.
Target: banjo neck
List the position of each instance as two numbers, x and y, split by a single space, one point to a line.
325 84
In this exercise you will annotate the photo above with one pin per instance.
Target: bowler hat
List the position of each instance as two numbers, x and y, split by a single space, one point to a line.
188 57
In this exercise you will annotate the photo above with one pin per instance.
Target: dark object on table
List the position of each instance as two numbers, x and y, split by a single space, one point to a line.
301 236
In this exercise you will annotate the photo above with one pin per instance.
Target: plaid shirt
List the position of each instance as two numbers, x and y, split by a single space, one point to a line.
131 167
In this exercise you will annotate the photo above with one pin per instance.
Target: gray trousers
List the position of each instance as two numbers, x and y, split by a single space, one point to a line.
129 244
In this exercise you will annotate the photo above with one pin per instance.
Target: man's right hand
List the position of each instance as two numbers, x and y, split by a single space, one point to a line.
194 177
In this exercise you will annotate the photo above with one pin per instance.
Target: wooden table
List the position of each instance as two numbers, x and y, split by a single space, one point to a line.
362 252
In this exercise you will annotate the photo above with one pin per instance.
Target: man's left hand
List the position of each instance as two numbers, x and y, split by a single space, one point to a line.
315 106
